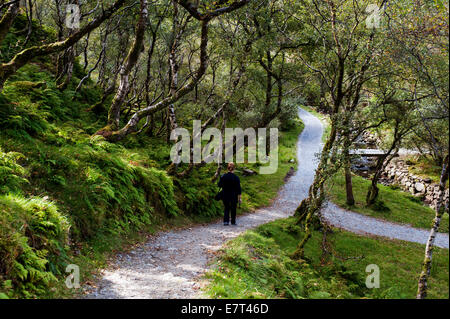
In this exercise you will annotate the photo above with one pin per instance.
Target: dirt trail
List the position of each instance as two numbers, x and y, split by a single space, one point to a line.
169 265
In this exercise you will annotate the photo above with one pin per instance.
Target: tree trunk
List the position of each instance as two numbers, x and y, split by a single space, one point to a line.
8 19
66 75
125 70
382 162
308 208
151 50
373 191
440 210
173 70
348 183
268 117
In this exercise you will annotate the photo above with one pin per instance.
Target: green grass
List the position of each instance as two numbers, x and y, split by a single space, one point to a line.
257 264
393 204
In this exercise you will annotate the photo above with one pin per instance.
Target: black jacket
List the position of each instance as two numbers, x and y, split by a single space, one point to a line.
231 186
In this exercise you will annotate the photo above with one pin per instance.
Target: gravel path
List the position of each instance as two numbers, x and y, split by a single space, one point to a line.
364 225
169 265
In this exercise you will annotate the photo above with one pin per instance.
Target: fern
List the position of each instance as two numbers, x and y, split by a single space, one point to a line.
31 230
11 173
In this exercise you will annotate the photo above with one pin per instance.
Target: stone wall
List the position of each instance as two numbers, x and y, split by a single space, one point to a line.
397 173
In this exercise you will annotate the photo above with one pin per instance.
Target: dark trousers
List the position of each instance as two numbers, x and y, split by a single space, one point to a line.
230 207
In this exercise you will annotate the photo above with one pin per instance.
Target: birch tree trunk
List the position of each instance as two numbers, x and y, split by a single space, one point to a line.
177 32
440 210
125 70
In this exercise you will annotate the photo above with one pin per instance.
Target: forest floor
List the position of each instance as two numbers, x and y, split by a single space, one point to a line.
171 264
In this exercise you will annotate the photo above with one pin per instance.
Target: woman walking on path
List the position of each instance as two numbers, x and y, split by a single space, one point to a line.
231 188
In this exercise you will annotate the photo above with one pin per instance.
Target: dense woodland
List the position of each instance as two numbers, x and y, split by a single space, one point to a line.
88 103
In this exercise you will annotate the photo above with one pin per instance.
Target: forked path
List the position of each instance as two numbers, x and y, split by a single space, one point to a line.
169 265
